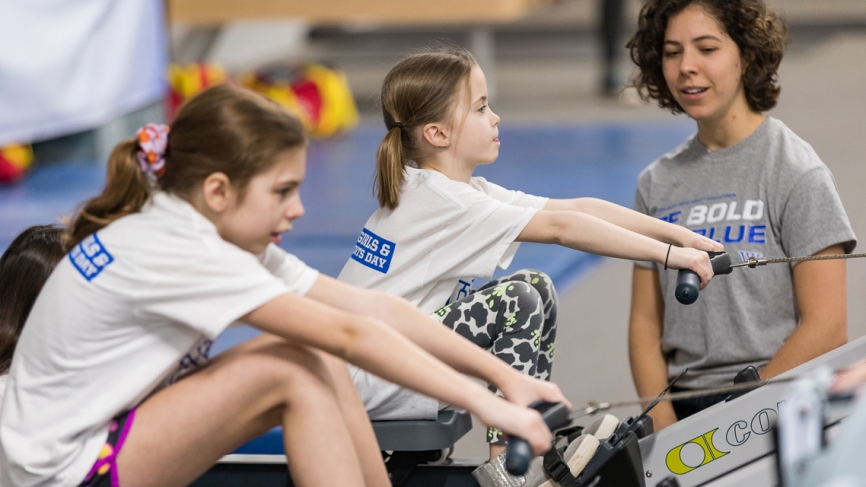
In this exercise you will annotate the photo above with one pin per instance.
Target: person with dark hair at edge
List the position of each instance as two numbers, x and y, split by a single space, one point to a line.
744 180
610 30
24 268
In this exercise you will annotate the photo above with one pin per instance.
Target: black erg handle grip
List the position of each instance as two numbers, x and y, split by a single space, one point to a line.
688 282
688 286
518 453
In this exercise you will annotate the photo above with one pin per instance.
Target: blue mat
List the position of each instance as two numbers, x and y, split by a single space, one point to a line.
559 161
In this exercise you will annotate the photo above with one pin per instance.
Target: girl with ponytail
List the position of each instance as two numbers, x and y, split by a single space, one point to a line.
111 383
438 227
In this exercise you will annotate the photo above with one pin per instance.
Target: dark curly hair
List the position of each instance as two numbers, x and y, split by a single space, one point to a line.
759 32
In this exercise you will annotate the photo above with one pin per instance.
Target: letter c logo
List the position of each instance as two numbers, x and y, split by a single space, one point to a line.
738 433
675 461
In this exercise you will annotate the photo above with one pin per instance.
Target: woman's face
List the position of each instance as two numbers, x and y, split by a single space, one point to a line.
702 66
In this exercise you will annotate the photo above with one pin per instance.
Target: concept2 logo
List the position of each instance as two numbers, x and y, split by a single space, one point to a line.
674 459
701 450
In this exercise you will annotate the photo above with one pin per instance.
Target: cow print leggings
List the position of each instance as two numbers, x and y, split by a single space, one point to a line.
514 317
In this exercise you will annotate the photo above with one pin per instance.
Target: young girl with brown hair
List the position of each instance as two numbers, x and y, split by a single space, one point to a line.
745 180
438 227
179 246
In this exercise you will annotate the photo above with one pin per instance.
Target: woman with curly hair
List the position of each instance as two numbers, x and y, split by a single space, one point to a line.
745 180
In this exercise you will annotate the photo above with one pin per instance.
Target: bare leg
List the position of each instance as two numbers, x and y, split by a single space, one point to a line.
184 429
496 449
356 419
354 414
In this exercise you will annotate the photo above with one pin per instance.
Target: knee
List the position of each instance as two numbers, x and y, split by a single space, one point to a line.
521 288
544 285
285 367
528 297
539 280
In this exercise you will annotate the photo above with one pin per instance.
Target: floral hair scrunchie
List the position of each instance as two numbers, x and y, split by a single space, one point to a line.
152 141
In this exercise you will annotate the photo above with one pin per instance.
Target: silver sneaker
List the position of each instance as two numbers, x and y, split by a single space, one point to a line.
492 473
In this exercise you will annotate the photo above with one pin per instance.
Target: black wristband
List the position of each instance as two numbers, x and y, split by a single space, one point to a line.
667 256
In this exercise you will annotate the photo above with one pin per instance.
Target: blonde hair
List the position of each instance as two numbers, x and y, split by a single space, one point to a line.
224 129
420 89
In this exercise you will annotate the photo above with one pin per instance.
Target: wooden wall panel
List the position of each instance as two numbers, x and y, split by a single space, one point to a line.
203 12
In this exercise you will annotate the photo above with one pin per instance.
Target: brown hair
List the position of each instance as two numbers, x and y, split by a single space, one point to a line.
759 32
420 89
225 129
24 268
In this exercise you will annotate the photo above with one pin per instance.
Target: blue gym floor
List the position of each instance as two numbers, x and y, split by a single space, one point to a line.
559 161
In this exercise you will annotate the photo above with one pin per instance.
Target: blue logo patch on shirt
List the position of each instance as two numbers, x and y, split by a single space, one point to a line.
90 257
465 287
197 357
373 251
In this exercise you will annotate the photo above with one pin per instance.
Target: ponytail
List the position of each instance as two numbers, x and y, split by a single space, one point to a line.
420 89
389 168
224 129
126 191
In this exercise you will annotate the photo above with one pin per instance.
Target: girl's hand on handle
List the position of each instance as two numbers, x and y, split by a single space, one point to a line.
700 242
517 420
524 390
693 259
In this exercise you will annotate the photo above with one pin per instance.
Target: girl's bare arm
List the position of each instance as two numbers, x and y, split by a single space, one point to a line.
582 231
371 345
435 338
636 222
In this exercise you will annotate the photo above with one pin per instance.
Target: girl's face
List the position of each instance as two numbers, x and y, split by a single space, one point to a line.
702 65
478 139
271 202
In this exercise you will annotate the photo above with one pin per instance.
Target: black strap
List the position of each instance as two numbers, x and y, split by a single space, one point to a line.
556 468
570 434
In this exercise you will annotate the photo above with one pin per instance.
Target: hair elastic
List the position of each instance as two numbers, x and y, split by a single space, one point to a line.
399 126
669 254
152 141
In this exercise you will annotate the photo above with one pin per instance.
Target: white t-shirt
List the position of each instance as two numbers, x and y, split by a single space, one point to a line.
443 234
117 317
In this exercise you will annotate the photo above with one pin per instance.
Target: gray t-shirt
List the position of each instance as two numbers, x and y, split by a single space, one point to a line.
768 196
